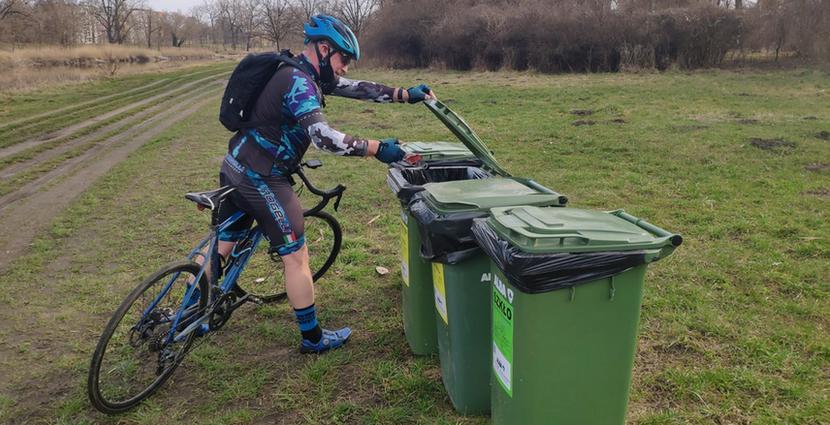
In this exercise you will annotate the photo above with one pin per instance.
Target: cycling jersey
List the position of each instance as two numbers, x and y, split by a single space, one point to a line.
293 102
259 160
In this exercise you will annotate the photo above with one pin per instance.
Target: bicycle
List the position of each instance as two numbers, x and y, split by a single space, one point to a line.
180 301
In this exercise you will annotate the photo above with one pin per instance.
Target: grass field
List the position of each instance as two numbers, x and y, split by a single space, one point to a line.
735 325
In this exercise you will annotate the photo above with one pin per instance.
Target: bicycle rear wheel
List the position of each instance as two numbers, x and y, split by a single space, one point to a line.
133 357
264 278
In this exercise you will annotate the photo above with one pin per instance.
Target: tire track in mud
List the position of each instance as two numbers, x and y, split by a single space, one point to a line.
98 136
27 211
134 93
79 106
73 128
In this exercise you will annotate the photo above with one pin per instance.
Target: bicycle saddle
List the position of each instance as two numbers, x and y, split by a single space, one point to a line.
211 198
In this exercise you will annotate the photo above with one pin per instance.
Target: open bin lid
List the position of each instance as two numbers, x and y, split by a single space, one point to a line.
483 194
467 136
570 230
433 151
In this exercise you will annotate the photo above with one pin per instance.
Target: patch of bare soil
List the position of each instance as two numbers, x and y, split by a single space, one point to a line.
778 145
690 127
747 121
817 166
582 112
66 131
24 212
821 192
35 377
80 105
618 121
582 122
823 135
810 118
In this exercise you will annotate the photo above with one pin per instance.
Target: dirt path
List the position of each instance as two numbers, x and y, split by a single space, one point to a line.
66 131
81 105
27 211
124 123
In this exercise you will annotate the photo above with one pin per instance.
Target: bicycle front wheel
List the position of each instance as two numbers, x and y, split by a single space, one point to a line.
138 350
264 278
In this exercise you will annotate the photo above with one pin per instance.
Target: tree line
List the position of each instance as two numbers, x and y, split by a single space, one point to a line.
596 35
544 35
235 24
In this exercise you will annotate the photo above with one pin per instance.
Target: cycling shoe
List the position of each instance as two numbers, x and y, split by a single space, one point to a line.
330 340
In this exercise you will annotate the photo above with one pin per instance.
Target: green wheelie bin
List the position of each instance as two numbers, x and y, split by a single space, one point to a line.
439 161
566 295
460 270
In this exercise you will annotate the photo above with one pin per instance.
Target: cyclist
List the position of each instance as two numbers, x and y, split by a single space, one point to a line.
259 160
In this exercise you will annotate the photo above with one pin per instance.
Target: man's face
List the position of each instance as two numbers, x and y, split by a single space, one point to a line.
340 63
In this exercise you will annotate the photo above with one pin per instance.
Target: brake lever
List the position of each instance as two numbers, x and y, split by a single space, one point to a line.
340 189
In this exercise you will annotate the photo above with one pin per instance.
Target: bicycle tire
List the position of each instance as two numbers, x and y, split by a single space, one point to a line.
264 278
101 399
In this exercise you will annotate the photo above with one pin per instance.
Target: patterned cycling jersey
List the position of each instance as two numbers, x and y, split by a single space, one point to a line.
293 102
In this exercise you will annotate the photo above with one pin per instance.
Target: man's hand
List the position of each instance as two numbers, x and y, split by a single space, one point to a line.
419 93
389 151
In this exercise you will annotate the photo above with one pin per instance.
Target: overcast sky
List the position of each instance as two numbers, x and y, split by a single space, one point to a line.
174 5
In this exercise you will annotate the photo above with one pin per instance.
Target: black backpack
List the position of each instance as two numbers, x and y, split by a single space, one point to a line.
247 82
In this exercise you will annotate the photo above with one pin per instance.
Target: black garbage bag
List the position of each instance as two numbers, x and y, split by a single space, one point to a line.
537 273
457 162
406 182
445 238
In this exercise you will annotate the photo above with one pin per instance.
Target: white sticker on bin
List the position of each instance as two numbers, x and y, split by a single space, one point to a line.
502 368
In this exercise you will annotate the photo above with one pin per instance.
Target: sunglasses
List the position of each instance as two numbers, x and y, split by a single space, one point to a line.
346 59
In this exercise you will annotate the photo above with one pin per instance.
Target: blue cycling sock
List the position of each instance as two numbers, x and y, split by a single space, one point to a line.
307 321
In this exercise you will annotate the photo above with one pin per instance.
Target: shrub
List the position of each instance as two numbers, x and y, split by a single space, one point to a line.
564 36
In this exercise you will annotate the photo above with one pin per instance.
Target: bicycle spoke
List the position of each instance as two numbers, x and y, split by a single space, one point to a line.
138 355
264 278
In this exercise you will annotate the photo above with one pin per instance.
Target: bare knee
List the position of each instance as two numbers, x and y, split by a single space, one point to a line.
296 260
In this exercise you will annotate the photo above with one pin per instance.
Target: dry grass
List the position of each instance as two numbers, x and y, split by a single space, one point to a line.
35 67
91 56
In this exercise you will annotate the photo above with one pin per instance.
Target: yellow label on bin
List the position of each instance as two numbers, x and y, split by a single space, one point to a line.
404 250
440 291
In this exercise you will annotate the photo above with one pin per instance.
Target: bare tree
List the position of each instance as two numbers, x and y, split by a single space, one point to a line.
250 21
58 22
149 24
114 17
230 19
355 13
211 14
278 20
305 9
177 27
9 8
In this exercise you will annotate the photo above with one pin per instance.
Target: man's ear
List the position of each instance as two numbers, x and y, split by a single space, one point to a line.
324 48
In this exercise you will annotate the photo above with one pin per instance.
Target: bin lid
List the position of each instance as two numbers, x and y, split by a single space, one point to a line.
431 151
551 230
467 136
483 194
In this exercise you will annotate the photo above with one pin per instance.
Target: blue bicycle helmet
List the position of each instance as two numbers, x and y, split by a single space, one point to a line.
331 29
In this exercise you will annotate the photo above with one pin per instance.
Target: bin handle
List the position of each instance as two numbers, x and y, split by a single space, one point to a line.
530 234
674 238
533 184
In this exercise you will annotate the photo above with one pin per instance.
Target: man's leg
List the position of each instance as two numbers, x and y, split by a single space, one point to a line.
300 289
298 282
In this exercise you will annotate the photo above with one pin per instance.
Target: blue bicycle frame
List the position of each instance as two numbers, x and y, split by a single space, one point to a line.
185 312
